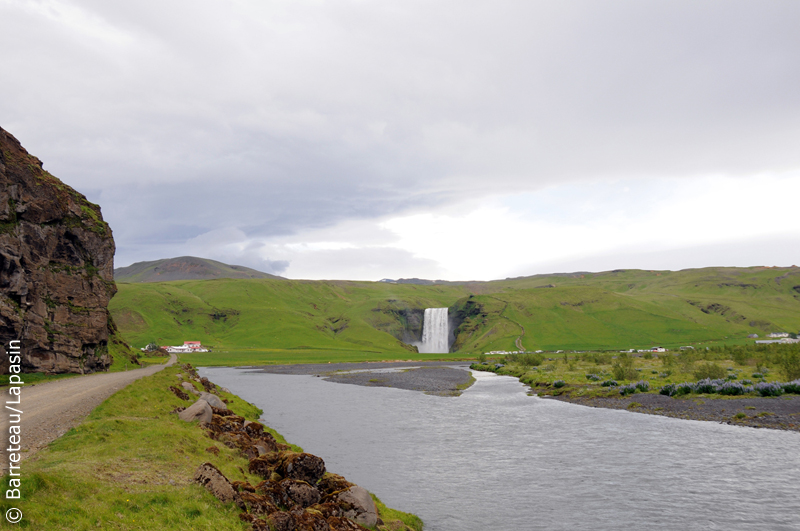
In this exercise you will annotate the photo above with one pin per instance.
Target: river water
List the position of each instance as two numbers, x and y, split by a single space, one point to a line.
497 459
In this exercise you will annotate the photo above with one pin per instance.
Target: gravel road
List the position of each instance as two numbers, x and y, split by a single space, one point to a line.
50 409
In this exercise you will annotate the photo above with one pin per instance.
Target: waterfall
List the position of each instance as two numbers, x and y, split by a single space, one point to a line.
434 331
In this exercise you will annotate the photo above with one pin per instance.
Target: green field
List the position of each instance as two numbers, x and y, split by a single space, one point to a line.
235 357
282 321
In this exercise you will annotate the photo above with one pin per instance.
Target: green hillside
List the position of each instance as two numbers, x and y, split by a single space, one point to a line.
274 314
610 310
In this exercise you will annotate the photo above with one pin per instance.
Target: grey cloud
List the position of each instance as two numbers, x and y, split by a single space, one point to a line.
279 118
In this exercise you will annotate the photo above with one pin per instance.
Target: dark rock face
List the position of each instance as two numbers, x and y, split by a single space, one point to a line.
56 268
399 319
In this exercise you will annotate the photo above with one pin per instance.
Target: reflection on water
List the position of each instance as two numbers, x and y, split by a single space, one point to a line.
495 458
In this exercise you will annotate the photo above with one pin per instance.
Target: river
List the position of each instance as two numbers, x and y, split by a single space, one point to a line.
496 458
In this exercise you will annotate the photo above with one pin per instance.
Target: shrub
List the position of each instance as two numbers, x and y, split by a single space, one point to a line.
643 385
684 388
601 359
623 368
559 384
732 388
710 371
668 390
790 364
609 383
707 385
731 377
740 356
757 375
792 387
627 389
768 389
747 382
593 377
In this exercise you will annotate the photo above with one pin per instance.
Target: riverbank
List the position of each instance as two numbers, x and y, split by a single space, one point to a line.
130 465
437 378
779 413
775 412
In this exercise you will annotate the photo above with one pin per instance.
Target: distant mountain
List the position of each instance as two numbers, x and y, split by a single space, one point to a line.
184 268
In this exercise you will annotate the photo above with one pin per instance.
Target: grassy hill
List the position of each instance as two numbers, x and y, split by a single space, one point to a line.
184 268
340 320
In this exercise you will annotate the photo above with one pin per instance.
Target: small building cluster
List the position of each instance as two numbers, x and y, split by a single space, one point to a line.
778 334
188 346
778 337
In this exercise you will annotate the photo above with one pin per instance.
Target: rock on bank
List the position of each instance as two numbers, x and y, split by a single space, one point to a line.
56 269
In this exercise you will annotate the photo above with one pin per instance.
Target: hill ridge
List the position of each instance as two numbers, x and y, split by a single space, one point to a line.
184 268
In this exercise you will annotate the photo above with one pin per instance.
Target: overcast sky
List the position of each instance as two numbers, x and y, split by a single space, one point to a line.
437 139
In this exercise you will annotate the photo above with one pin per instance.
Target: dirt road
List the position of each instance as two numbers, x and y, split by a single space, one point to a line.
49 410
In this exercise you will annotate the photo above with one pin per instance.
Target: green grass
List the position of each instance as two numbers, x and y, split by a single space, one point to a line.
129 466
307 321
387 514
658 370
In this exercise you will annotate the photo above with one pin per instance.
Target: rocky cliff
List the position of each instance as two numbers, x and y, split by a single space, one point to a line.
56 268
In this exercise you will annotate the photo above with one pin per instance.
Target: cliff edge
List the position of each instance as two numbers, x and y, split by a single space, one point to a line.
56 269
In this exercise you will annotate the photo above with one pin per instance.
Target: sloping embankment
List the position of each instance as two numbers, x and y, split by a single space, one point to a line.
131 465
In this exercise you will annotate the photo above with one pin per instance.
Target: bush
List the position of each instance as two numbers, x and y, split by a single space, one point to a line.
593 377
792 387
601 359
609 383
643 385
707 385
733 388
710 371
757 375
768 389
627 389
559 384
623 368
668 390
790 364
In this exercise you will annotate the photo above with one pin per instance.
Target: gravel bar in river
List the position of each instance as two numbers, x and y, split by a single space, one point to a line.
438 378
